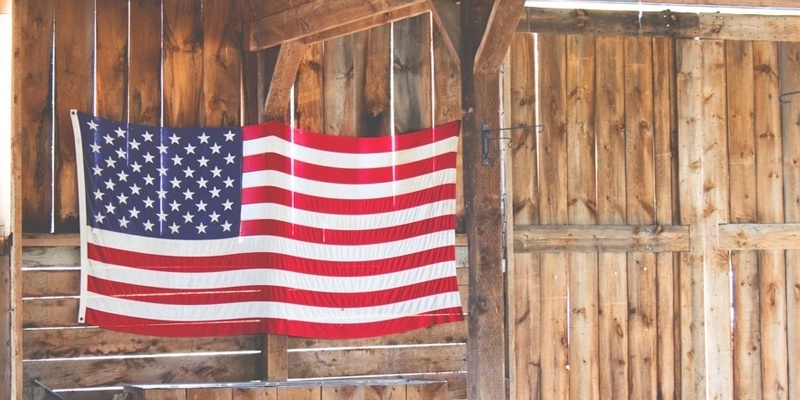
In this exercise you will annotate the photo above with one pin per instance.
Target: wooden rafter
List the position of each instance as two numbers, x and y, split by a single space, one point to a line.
313 17
495 42
282 79
447 15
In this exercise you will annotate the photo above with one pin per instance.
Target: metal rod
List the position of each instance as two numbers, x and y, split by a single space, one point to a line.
783 96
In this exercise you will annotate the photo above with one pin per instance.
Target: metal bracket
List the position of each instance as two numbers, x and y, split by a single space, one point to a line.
485 138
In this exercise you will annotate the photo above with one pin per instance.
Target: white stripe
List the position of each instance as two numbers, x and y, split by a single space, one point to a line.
346 191
273 144
271 244
347 222
271 277
255 310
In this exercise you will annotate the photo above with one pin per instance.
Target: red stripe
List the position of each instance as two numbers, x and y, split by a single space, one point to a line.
300 201
239 294
277 162
275 326
354 145
271 227
282 262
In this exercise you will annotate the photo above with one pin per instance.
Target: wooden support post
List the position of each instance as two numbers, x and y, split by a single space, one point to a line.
480 102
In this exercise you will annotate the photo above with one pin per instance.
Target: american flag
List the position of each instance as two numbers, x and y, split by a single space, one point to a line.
265 229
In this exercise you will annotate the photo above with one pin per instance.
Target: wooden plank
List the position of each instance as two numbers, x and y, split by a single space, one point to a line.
608 22
706 351
602 238
376 361
759 236
50 312
553 210
74 44
611 206
86 342
183 52
665 143
736 3
308 114
749 27
38 257
281 74
447 100
33 32
300 393
742 153
426 391
769 192
111 61
412 100
437 334
412 10
262 393
5 332
158 394
497 34
209 394
222 62
50 283
640 184
343 67
480 94
790 114
377 101
523 269
314 17
582 210
144 74
82 373
51 240
447 15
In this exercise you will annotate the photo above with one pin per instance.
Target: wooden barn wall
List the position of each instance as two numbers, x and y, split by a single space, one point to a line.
181 63
652 135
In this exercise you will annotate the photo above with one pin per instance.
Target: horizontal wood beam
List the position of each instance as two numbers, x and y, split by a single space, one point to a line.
314 17
600 238
759 237
660 23
367 23
788 4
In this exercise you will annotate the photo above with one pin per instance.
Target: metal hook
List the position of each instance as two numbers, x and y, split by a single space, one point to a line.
783 96
485 137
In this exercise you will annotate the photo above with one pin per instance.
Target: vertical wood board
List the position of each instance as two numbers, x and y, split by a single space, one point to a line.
144 74
183 63
343 70
411 62
377 101
222 62
111 61
309 104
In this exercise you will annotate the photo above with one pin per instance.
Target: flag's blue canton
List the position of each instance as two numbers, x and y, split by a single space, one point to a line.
173 183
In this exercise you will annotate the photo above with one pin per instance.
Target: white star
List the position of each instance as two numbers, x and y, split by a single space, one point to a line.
162 148
99 218
123 176
188 217
97 170
134 144
214 217
148 180
148 226
122 198
120 132
229 136
148 137
202 182
176 183
215 192
162 216
177 160
108 139
134 212
92 125
189 172
226 226
95 147
148 158
203 161
98 195
201 206
110 162
201 228
174 139
204 138
120 153
228 205
136 167
110 208
189 149
215 148
228 182
110 184
216 172
123 223
162 194
135 189
162 170
174 206
188 195
148 202
229 159
174 228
